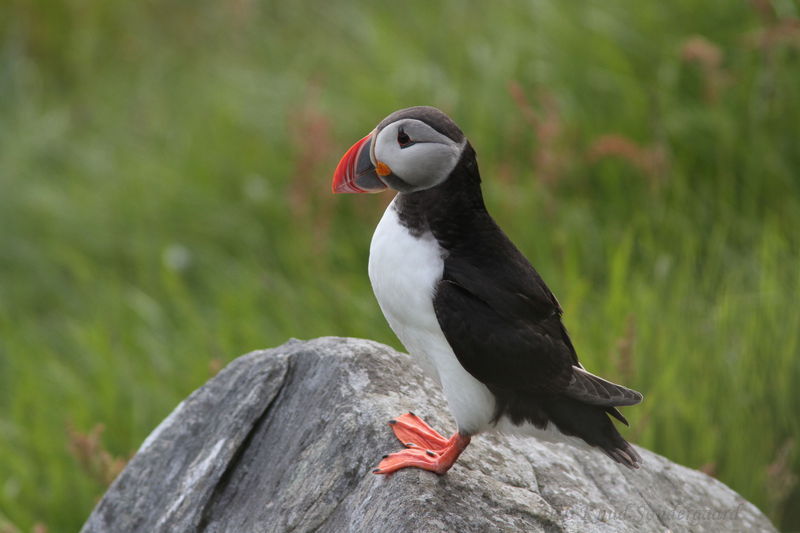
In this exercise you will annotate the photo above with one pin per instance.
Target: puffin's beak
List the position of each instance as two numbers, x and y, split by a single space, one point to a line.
355 172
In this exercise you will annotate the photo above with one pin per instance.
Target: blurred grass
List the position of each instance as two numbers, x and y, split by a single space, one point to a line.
165 207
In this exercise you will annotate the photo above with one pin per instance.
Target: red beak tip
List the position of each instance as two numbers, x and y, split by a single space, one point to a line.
344 177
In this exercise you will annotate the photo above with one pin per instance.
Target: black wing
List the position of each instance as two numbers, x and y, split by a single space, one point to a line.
504 325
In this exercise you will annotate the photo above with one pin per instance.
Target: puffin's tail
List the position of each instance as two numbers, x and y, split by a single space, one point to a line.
592 424
624 453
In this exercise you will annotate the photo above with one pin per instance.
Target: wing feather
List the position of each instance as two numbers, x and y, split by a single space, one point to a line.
587 387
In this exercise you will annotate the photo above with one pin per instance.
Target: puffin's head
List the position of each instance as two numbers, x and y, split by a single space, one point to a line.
410 150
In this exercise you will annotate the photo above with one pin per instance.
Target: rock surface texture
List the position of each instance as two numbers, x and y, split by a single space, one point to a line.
285 440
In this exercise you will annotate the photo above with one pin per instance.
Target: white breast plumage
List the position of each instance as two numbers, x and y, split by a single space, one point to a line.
404 271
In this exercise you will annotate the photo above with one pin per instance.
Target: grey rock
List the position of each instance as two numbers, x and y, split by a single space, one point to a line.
285 440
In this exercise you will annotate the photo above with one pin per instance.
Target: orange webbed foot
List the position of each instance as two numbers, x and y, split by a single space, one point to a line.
427 449
413 432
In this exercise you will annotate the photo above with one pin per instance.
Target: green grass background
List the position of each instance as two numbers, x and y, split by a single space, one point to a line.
164 206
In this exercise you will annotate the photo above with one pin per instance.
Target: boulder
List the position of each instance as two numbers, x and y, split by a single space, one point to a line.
285 440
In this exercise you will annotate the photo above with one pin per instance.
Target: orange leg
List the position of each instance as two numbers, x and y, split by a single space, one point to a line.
428 450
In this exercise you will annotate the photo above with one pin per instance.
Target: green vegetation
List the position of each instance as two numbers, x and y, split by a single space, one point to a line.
164 207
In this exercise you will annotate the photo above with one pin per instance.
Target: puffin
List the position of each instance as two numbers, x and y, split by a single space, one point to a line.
467 304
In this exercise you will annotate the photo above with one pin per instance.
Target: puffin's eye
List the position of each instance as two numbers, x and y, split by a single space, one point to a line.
403 139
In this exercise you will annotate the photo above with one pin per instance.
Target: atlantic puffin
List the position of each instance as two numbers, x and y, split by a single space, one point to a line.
467 304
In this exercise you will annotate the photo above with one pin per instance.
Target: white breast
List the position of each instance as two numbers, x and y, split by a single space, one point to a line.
404 271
